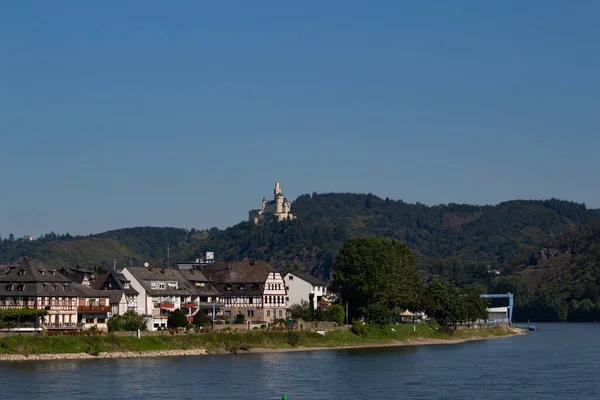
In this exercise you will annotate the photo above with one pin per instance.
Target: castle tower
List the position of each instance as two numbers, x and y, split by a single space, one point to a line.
277 189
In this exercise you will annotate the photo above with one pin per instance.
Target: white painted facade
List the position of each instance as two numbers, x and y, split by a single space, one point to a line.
299 289
142 295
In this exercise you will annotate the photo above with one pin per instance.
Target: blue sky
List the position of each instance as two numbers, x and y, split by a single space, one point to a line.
184 114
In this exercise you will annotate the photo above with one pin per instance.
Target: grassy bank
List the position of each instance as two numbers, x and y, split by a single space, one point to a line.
218 343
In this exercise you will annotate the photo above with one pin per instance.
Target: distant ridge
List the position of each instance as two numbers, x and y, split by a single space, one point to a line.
460 243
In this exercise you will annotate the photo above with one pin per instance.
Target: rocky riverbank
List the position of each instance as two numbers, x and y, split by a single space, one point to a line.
116 354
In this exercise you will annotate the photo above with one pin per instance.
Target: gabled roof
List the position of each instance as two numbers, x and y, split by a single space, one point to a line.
88 292
193 277
238 272
114 296
313 280
31 276
74 275
144 275
116 277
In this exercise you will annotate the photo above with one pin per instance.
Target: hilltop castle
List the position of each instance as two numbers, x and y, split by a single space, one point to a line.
278 207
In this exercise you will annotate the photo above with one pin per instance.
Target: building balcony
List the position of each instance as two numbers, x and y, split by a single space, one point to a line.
63 325
57 308
210 304
102 309
15 306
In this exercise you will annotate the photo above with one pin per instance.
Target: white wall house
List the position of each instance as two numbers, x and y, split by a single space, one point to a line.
300 285
160 292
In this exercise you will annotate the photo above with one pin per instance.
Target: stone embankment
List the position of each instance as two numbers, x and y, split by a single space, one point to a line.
85 356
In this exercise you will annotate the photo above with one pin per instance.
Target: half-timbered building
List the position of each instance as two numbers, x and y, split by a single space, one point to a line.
32 284
252 288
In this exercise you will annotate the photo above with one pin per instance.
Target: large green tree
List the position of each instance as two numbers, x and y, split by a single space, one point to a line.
177 319
130 321
377 277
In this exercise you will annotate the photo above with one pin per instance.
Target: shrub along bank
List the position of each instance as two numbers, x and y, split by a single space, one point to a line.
218 343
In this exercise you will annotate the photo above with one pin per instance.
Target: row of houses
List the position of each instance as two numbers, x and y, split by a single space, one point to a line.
77 299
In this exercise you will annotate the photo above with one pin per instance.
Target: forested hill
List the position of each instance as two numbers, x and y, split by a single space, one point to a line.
457 242
541 249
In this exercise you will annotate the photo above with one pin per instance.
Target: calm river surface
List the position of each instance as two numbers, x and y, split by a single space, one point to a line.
560 361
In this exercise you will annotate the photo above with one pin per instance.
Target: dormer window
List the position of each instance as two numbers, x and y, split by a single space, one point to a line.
125 285
66 287
228 288
21 272
45 287
242 287
9 287
43 272
53 272
20 288
55 288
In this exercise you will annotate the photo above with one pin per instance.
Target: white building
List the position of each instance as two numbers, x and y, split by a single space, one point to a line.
498 315
160 291
300 286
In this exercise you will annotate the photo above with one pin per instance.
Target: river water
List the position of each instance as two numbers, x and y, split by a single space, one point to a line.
560 361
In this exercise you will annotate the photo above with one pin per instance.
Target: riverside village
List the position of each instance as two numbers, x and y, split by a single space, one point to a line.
188 297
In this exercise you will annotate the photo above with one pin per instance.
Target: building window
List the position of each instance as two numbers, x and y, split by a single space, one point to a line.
251 313
291 278
101 320
280 313
268 313
287 299
242 287
126 285
55 288
250 300
9 288
228 313
152 285
45 287
20 288
161 285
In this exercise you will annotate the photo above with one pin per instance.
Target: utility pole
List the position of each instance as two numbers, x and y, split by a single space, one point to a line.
347 313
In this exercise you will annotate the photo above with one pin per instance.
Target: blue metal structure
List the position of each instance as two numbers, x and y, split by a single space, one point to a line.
508 296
